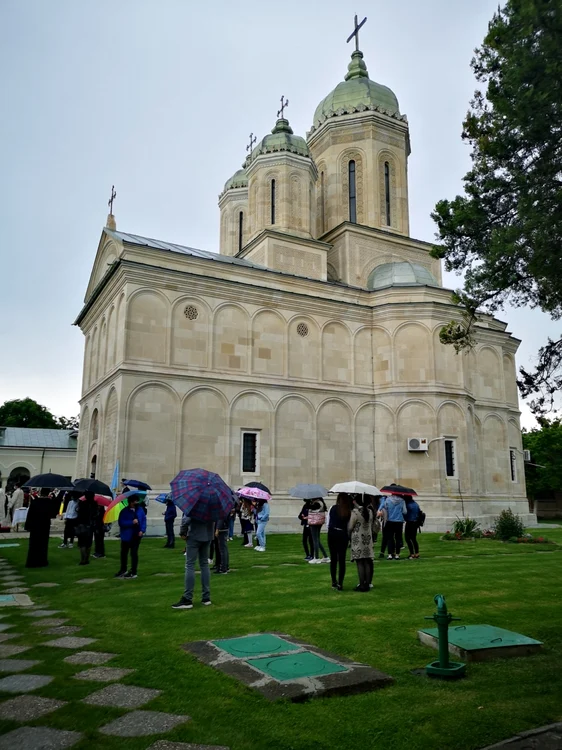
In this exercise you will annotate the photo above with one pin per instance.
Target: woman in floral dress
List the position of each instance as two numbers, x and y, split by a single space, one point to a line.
363 527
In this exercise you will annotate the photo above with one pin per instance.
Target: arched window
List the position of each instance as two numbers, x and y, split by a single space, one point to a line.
352 194
93 467
387 192
273 201
240 230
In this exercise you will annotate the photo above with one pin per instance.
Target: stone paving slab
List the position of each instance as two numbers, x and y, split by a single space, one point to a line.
44 585
16 600
121 696
15 590
49 622
260 566
12 577
164 575
5 626
38 738
142 724
70 642
12 650
544 738
103 674
43 612
17 665
89 657
62 630
28 707
24 683
89 580
167 745
9 636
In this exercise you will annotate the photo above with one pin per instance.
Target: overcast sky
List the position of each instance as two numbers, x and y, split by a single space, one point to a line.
158 97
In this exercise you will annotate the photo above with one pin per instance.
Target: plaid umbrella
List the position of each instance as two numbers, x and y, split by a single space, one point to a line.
202 495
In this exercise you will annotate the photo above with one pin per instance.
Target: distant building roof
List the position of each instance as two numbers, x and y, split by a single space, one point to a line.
27 437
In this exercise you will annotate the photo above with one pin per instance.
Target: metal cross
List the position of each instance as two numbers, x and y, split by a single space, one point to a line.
284 103
250 146
110 201
355 33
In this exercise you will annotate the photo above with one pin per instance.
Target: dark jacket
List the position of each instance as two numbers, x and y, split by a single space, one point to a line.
171 512
128 528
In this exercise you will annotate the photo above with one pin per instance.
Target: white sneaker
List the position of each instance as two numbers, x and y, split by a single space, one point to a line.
325 560
70 546
210 561
248 546
62 546
259 549
312 562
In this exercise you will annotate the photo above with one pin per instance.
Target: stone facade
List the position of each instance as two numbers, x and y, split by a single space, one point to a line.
286 336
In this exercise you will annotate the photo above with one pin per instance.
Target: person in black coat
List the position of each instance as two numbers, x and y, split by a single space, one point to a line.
85 524
38 523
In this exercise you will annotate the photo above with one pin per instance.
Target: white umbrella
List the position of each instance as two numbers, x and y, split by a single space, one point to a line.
356 488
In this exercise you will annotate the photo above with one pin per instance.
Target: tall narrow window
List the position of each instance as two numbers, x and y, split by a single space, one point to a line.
352 194
513 464
240 230
387 192
450 459
250 452
273 201
322 204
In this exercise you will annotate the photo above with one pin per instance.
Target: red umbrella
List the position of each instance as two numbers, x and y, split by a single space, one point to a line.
100 500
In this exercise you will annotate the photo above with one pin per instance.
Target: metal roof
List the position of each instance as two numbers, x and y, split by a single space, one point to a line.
135 239
27 437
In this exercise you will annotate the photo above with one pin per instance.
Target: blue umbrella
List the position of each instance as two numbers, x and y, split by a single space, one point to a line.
202 495
163 497
137 483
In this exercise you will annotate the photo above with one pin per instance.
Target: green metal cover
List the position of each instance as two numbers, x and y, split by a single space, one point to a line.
7 598
255 645
295 666
475 637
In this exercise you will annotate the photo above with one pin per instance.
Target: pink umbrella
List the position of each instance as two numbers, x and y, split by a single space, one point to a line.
253 493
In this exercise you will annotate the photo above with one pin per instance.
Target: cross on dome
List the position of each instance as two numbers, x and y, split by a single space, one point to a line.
284 103
355 33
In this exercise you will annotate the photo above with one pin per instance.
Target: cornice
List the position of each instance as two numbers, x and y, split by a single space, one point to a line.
361 115
374 232
285 237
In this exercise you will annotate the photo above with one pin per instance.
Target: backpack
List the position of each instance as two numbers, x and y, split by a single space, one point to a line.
421 519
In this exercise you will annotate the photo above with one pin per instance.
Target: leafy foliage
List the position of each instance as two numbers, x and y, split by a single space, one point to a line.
505 231
545 444
466 528
508 524
25 412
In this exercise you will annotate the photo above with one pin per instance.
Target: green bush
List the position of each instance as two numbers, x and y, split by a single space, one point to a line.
464 528
508 525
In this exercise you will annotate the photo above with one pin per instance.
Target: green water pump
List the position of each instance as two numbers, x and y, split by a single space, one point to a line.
444 668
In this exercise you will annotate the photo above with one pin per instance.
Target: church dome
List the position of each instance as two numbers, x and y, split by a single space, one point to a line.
400 274
357 94
281 138
238 180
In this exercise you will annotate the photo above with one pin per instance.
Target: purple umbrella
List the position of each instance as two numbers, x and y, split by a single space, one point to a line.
202 495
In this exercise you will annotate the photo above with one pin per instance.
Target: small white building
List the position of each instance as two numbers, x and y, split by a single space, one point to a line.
25 452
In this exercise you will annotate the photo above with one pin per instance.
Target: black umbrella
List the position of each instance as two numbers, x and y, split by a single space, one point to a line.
136 483
259 485
398 489
92 485
54 481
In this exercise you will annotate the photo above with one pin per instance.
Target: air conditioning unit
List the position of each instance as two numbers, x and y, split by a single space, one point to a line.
416 444
526 455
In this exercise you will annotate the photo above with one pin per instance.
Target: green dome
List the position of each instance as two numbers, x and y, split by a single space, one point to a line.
238 180
281 138
357 94
400 274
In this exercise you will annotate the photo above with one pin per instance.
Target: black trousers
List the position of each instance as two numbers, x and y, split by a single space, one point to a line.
307 542
338 542
411 534
170 532
99 541
69 532
394 536
133 546
223 563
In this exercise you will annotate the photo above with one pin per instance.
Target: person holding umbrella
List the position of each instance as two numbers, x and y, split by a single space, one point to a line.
87 514
132 525
395 508
362 528
38 523
204 498
170 515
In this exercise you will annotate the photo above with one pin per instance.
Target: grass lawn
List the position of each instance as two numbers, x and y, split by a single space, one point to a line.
508 585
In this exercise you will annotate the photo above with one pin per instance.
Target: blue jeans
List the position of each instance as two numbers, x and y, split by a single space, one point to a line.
197 550
260 533
231 527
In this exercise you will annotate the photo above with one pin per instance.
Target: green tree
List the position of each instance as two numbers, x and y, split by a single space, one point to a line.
505 232
545 444
69 423
25 412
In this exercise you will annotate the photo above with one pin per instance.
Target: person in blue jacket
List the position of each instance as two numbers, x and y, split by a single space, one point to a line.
170 515
395 508
262 518
411 531
132 525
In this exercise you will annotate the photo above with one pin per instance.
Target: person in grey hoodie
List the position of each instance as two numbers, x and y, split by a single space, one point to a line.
395 508
198 546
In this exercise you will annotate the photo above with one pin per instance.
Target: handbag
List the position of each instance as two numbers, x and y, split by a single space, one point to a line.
316 517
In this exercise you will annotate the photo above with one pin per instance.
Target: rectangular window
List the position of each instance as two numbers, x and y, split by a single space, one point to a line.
352 194
250 452
450 459
513 464
387 191
273 201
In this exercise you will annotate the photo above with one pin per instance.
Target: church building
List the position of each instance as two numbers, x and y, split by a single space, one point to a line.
307 349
